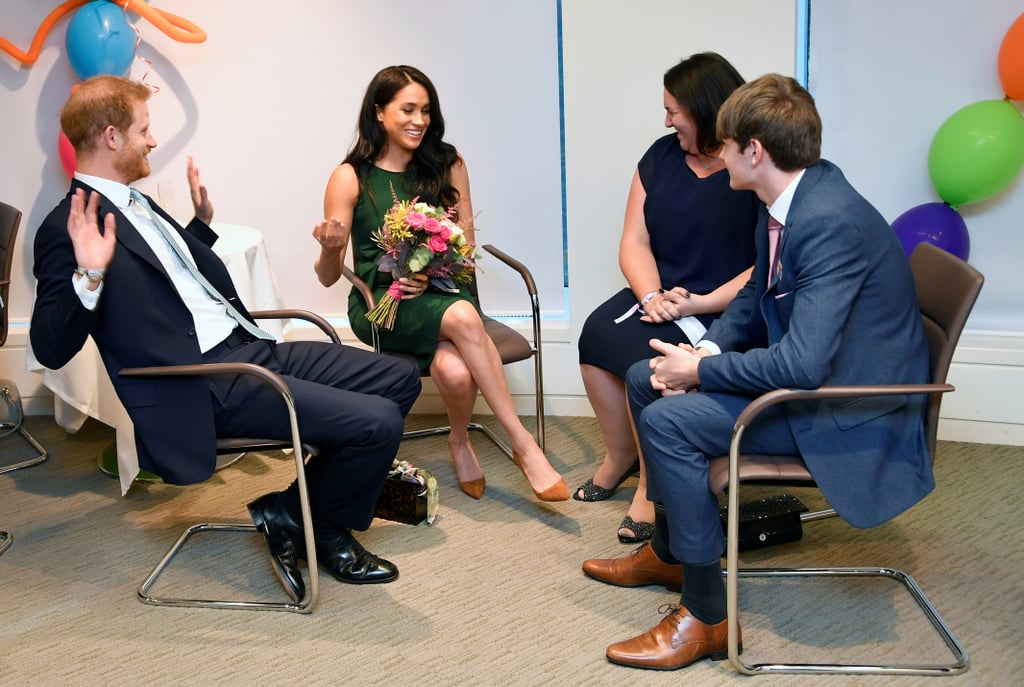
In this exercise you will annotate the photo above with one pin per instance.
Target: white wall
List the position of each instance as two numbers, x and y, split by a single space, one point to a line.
886 75
616 55
267 106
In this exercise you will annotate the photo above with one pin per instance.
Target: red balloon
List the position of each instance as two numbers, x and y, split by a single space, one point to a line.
67 154
1011 60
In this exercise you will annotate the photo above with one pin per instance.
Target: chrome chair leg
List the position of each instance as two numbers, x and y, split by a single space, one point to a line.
42 453
732 574
313 589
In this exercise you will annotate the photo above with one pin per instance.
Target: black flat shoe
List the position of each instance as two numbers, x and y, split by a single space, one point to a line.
592 492
282 534
642 531
347 561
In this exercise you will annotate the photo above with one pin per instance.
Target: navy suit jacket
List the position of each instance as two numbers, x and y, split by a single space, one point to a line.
841 309
140 320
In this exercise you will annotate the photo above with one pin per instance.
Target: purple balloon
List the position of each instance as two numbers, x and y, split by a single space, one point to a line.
934 223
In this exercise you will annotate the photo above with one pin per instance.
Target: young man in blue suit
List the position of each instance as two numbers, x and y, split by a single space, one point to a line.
111 264
832 303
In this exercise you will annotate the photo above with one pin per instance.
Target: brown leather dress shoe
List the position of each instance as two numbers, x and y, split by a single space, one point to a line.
675 642
640 568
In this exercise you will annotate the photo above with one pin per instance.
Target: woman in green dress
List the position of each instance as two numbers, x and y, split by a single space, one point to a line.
401 151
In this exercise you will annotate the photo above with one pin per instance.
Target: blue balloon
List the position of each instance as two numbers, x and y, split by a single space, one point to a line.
100 41
934 223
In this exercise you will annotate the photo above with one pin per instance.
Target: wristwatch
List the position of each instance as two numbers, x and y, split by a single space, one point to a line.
92 275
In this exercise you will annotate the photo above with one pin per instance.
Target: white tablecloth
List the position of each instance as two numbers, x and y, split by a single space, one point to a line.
82 388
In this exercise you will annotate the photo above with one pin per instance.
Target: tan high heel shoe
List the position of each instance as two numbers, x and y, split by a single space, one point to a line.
556 492
474 488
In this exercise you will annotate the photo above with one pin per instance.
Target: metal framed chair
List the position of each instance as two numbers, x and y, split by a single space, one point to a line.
512 347
229 446
10 220
947 289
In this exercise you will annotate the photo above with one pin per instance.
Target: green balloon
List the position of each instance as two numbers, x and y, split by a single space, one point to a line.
977 152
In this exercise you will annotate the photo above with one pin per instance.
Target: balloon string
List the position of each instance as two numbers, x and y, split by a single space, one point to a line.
177 28
138 41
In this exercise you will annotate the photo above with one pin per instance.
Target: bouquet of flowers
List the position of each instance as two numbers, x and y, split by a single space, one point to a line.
420 238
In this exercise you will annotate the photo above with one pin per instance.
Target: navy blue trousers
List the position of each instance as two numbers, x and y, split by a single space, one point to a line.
677 436
350 403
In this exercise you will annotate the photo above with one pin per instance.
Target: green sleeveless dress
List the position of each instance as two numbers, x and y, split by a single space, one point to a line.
418 320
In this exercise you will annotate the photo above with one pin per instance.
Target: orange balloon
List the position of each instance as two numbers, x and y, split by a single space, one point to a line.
1011 60
178 28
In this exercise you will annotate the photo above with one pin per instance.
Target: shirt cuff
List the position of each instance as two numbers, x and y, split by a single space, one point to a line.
88 298
709 345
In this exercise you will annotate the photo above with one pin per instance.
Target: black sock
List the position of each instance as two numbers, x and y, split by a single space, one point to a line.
704 591
659 540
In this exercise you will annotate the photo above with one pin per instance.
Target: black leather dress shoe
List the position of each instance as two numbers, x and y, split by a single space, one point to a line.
346 560
283 538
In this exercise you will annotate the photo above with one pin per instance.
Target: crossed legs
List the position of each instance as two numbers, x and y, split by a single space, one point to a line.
466 362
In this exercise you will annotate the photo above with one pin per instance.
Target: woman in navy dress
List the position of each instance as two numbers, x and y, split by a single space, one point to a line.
687 248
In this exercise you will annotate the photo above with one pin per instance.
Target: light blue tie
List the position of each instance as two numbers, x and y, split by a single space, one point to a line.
165 233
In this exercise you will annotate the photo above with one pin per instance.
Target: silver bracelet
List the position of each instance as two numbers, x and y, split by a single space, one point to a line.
648 298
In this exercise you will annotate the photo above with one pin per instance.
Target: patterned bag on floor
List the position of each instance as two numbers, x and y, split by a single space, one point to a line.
409 495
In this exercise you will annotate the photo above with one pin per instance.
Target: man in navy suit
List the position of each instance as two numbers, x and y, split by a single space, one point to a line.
832 304
106 266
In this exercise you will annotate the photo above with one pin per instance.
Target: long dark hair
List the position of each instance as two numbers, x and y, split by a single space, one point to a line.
427 174
701 83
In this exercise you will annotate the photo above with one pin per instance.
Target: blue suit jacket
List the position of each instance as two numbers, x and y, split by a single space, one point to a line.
841 309
140 320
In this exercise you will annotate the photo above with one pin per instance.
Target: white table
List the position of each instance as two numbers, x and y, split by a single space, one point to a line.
82 388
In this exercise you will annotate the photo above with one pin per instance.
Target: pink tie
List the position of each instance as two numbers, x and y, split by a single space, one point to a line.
774 229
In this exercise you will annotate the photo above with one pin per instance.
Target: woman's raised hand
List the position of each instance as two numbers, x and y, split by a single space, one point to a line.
331 234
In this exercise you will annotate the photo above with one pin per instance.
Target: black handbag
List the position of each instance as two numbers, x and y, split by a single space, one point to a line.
767 521
409 495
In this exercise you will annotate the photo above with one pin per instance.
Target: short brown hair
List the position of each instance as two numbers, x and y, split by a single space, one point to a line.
98 102
778 112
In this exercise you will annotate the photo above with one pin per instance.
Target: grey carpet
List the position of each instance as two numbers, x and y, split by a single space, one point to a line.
490 594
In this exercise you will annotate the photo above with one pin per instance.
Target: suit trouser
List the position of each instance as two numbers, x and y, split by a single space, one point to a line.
350 403
677 434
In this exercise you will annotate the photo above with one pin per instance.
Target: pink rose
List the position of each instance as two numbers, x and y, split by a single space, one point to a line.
437 244
446 233
416 219
431 226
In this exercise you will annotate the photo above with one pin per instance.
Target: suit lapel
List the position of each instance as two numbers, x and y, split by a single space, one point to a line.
128 236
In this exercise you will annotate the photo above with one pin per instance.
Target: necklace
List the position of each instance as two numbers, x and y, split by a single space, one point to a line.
706 166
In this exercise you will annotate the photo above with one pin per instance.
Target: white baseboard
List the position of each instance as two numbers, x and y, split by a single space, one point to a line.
987 371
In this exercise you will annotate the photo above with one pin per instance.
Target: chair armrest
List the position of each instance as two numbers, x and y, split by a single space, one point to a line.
524 272
361 286
531 288
371 302
269 377
771 398
293 314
